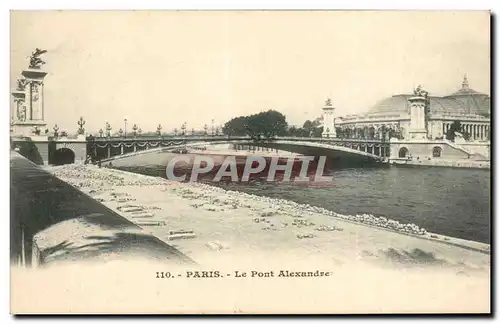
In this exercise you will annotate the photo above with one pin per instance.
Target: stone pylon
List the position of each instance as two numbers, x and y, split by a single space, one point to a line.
418 120
28 103
329 120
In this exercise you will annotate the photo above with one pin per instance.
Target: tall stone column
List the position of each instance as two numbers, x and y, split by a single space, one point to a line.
34 93
417 128
28 110
19 105
329 120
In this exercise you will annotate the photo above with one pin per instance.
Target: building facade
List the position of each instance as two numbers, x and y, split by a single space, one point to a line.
432 118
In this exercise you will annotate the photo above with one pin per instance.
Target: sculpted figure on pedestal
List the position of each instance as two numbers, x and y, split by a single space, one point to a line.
419 91
35 61
21 84
21 111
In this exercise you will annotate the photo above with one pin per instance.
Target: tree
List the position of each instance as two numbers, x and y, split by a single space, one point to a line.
236 126
340 132
313 128
454 127
265 124
297 131
308 125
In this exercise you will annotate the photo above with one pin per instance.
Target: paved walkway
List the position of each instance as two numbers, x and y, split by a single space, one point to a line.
42 202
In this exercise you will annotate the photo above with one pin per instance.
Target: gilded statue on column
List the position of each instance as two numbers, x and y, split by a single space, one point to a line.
35 61
21 84
419 91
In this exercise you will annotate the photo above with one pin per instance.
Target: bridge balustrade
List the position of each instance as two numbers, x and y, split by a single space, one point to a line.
107 147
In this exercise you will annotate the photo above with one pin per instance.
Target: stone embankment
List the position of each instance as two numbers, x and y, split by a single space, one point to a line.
53 222
104 185
470 164
78 177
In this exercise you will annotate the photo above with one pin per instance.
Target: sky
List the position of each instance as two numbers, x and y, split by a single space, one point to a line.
171 67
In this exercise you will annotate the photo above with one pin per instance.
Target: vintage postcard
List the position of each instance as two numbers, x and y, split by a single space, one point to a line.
250 162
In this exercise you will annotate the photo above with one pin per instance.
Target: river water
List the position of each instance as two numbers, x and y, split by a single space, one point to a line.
454 202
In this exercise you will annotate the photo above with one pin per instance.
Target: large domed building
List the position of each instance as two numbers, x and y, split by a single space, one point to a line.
390 117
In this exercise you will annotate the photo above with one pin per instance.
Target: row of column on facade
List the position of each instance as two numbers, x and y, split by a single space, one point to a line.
476 131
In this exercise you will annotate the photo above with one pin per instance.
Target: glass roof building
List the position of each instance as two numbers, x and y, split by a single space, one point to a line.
466 105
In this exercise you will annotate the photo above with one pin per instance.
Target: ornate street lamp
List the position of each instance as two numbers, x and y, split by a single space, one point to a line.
183 129
125 120
134 128
56 131
108 129
80 123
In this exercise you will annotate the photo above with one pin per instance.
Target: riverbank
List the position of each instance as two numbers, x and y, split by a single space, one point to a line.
242 244
219 223
52 222
470 164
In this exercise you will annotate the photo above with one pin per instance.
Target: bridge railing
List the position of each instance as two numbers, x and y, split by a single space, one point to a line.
229 137
106 148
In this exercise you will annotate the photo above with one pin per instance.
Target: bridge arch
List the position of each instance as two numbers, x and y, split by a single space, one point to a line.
403 152
437 151
63 156
339 154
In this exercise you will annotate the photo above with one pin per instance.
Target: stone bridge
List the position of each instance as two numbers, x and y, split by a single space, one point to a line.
348 150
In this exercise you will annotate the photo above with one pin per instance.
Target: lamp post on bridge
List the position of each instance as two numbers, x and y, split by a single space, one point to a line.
125 120
56 131
108 129
158 130
183 128
81 123
134 128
